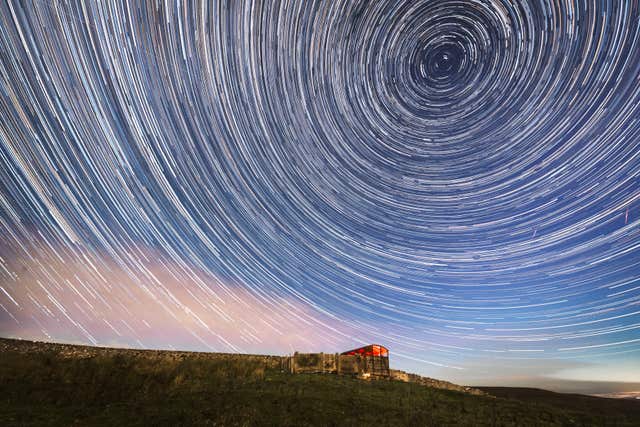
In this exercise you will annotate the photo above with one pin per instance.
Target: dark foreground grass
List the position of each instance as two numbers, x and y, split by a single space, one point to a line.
47 388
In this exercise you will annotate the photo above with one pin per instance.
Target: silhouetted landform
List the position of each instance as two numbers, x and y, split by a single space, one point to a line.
57 384
631 395
607 407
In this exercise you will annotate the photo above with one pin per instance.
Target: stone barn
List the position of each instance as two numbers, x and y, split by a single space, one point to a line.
371 361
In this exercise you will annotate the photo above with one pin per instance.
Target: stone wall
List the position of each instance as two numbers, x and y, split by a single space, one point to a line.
312 363
364 367
430 382
81 351
298 363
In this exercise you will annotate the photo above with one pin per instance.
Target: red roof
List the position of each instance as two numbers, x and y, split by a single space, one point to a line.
369 350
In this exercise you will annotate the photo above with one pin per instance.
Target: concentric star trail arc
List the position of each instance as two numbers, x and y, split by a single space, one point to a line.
454 178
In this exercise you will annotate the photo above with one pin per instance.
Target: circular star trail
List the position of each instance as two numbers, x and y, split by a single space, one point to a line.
457 179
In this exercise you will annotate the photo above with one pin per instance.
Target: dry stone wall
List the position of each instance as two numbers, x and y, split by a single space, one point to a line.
298 363
80 351
430 382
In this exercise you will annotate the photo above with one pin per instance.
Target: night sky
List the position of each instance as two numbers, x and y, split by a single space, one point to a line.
458 180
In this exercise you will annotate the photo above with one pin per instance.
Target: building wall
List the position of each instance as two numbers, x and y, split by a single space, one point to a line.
337 363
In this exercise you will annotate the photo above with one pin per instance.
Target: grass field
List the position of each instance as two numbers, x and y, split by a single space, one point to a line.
43 385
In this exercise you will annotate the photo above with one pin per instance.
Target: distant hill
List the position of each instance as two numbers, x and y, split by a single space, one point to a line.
633 395
57 384
607 407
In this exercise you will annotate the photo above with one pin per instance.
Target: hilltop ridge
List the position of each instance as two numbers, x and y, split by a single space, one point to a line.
60 384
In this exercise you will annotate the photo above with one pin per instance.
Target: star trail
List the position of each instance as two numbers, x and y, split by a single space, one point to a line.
456 179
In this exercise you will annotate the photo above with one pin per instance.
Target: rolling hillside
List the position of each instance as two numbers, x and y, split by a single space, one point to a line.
55 384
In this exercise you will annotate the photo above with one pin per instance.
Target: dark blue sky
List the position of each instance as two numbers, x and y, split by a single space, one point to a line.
458 180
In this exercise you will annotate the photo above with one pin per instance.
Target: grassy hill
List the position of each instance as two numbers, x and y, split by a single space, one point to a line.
53 384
